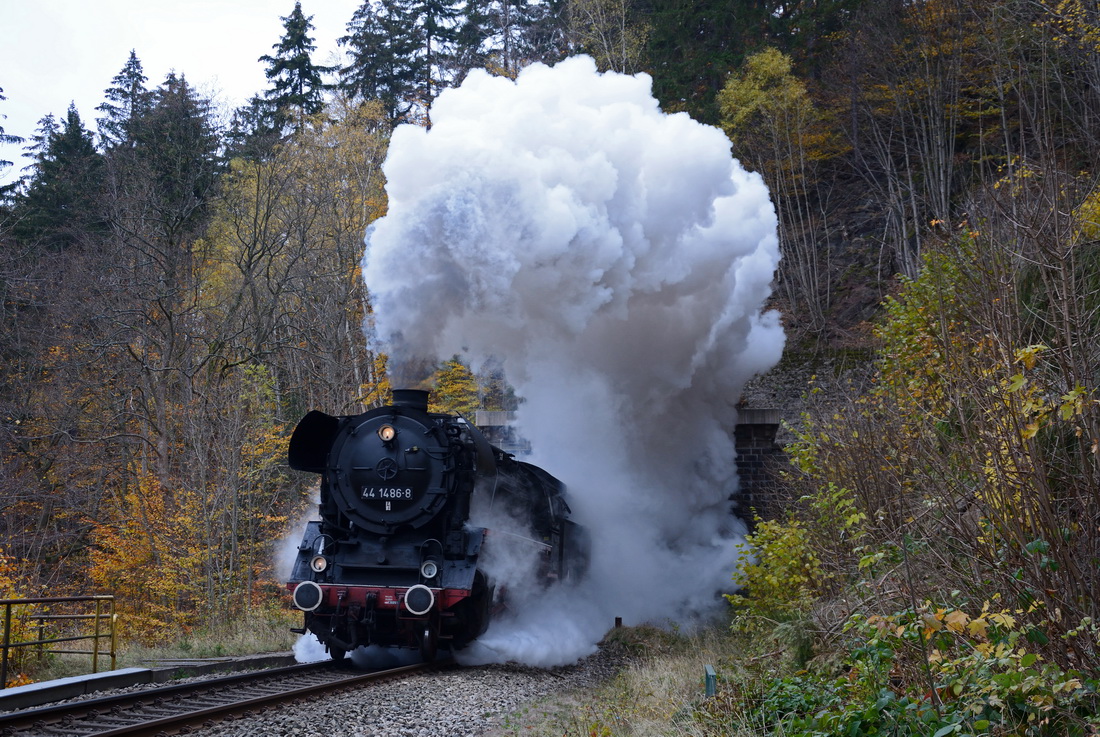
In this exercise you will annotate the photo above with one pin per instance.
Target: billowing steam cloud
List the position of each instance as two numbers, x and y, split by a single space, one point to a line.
615 259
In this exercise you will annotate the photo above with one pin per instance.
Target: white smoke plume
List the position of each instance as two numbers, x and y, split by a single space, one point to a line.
616 259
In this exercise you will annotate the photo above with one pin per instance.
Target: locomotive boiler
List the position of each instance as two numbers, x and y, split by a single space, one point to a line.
394 560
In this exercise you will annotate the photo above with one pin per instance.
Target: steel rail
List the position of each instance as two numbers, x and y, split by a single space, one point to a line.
81 717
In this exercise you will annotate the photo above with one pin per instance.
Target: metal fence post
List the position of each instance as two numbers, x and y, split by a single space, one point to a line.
95 638
41 636
7 639
114 635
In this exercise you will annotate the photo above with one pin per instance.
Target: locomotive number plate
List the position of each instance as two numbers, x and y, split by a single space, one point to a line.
385 492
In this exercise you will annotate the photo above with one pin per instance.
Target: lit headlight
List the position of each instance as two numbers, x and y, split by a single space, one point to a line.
387 433
429 569
319 563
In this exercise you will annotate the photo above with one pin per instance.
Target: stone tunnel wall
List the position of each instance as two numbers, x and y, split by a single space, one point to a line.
759 462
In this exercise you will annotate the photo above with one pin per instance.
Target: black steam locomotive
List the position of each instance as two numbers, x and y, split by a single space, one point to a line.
393 561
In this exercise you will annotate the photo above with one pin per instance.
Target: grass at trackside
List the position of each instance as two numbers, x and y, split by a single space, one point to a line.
265 633
659 691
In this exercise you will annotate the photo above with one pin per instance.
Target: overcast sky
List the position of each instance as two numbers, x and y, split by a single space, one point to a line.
53 52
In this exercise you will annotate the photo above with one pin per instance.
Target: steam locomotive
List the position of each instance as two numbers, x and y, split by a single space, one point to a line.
394 560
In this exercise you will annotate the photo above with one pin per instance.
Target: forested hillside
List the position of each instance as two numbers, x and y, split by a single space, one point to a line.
177 292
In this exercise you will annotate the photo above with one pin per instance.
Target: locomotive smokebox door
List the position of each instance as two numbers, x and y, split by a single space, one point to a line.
391 470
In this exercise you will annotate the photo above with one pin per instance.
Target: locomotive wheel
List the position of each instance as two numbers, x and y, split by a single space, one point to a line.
336 653
429 643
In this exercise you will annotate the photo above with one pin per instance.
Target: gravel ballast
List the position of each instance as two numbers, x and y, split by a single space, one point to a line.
469 701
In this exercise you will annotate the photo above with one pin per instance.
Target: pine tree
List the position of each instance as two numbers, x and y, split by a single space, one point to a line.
506 35
546 33
6 137
175 151
48 128
404 52
253 131
382 42
516 33
438 23
127 100
297 87
61 203
474 38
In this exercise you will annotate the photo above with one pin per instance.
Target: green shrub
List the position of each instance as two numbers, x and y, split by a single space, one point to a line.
779 575
934 671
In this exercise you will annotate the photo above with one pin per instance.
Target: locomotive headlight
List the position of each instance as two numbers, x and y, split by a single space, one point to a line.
308 596
429 569
318 563
419 600
387 433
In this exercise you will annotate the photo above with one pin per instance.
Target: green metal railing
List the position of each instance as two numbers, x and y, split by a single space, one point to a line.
77 610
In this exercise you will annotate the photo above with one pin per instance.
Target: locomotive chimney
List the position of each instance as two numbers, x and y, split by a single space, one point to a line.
411 398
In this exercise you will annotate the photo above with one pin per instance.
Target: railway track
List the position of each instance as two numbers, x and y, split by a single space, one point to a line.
179 708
